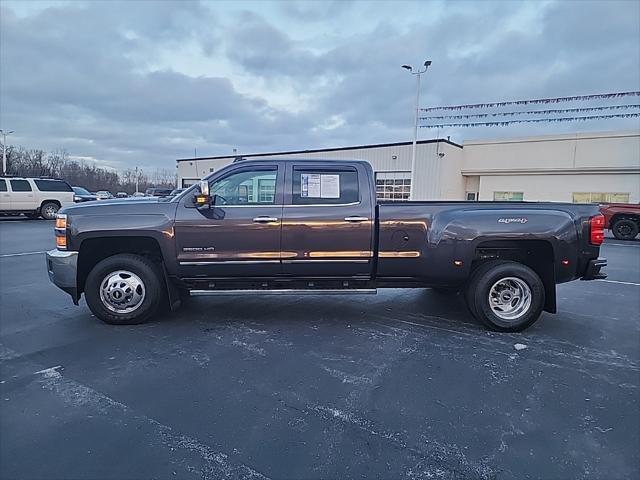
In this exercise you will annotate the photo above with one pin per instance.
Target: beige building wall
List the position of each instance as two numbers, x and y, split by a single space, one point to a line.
558 188
553 168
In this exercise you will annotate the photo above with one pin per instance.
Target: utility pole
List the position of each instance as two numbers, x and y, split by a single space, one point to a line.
136 179
418 74
4 149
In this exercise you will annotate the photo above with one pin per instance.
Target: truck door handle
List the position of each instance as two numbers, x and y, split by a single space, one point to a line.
356 218
264 219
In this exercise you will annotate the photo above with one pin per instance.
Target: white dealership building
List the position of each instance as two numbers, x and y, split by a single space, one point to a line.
579 167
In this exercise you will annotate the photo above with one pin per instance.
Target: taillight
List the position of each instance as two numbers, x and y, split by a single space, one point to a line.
596 236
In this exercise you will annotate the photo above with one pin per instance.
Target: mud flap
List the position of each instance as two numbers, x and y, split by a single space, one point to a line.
173 295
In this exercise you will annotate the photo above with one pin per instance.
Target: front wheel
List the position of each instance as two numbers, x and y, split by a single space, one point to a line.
124 289
505 296
624 229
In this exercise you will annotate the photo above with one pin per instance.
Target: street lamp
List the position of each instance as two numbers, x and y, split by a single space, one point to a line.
415 123
4 149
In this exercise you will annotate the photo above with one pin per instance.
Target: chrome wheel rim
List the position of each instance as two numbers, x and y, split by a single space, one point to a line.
50 211
510 298
122 291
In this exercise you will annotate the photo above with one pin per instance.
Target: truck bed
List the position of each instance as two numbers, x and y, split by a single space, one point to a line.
460 231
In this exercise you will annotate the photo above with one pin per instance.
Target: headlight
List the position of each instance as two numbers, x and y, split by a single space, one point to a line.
61 231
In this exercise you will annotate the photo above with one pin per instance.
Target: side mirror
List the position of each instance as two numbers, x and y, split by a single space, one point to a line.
203 198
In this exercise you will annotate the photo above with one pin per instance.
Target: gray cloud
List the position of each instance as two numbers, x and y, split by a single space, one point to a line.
85 77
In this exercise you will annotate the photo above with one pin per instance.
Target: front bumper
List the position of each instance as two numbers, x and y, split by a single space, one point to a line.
593 269
62 267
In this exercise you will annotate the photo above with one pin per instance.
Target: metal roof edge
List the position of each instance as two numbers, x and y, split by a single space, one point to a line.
319 150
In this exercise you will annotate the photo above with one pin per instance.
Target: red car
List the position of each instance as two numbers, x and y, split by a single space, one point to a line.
623 219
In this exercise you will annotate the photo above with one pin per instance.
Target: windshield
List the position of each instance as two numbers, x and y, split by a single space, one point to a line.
81 191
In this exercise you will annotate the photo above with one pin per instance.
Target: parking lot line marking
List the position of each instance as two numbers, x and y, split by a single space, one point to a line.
76 394
621 283
21 254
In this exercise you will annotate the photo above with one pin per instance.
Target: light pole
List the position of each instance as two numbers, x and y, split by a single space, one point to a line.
415 123
4 149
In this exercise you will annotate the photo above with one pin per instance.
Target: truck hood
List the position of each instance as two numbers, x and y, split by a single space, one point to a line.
121 206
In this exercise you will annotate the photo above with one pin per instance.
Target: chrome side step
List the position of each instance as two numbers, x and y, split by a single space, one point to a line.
288 291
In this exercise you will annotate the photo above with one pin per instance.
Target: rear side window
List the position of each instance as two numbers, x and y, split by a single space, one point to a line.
20 186
53 186
3 185
320 186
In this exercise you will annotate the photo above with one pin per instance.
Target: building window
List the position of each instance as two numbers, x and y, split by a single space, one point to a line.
394 186
600 197
508 196
472 196
266 190
187 182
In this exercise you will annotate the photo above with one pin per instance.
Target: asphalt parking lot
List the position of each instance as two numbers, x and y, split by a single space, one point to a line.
404 384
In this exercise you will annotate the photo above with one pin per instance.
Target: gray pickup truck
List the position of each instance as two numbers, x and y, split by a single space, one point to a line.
315 227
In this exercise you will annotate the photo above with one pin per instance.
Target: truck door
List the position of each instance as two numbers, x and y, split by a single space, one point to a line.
22 196
328 221
240 234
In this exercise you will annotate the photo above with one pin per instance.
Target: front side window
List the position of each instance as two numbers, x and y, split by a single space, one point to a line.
248 187
52 186
3 185
20 186
318 186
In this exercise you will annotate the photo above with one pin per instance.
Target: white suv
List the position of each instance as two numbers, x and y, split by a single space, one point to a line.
34 196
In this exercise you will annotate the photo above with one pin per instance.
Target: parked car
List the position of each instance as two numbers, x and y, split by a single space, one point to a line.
122 195
138 194
81 194
104 195
623 219
315 227
34 197
158 192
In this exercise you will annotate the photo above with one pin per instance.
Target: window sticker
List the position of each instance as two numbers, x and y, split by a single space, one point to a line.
330 186
310 185
316 185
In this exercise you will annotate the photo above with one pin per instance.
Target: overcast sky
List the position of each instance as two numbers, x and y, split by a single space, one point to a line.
144 83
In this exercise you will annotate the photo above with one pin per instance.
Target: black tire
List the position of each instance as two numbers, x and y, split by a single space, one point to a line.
49 210
152 286
479 290
625 229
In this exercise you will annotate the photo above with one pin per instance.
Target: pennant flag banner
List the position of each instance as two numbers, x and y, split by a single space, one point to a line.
531 112
577 98
532 120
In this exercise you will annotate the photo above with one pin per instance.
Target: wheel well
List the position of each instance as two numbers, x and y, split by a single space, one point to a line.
94 250
50 201
536 254
625 216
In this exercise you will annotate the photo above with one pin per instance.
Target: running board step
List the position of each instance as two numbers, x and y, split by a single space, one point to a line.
290 291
